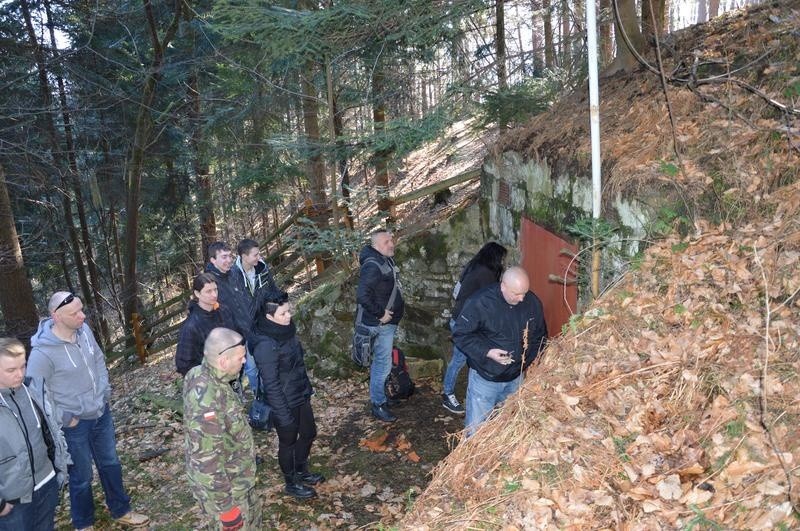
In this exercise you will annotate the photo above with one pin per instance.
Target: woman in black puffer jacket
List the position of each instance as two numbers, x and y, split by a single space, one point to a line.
279 357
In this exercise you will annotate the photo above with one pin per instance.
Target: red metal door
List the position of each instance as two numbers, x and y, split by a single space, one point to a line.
546 257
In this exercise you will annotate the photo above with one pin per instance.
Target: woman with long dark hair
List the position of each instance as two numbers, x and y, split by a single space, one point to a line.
280 360
205 314
484 269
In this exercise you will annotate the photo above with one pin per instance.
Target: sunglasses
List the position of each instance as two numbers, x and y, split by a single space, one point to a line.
68 299
241 343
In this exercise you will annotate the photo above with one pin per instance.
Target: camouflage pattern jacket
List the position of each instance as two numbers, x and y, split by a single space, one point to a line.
220 454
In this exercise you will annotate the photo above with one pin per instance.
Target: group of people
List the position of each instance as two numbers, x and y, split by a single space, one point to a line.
240 325
56 420
497 324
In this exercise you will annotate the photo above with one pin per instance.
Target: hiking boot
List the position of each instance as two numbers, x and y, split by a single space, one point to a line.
381 412
133 519
310 478
294 487
451 404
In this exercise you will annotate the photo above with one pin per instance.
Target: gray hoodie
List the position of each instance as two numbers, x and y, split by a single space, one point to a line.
75 373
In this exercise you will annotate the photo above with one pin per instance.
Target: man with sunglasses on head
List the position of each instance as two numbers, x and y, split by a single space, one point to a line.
220 453
67 357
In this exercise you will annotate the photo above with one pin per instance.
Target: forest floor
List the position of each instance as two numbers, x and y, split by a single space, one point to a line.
374 470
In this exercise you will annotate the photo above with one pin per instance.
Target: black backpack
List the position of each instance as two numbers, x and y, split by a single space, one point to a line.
398 383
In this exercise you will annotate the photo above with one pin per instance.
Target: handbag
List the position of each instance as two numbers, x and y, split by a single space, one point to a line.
260 413
363 343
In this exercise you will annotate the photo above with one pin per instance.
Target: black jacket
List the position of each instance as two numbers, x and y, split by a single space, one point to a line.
246 302
375 285
279 357
488 321
471 281
195 330
226 294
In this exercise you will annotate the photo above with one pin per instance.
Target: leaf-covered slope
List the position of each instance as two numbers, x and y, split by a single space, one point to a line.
674 401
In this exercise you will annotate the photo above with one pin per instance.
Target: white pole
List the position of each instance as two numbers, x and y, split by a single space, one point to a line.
594 128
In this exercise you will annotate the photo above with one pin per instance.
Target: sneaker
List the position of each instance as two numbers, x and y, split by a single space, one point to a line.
381 412
451 404
133 519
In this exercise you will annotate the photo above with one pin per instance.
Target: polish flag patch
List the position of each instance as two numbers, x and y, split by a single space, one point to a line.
210 415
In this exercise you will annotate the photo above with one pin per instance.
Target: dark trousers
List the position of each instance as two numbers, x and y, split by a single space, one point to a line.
294 440
38 515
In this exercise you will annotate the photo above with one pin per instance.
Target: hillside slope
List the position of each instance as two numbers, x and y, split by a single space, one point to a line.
674 401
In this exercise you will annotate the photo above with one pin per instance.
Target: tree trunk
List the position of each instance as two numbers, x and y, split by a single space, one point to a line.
316 166
702 11
713 8
500 46
652 11
566 59
625 61
606 43
16 293
205 198
342 163
141 138
381 156
549 46
48 125
94 276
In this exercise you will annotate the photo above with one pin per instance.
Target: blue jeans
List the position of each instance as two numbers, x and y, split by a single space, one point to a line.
381 362
93 440
251 371
483 396
457 362
38 515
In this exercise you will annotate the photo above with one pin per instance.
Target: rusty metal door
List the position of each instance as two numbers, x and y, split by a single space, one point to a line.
546 257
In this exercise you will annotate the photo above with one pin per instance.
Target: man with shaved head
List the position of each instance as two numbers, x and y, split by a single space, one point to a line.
220 454
501 330
67 357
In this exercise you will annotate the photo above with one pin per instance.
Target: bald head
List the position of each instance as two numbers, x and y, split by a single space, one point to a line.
514 285
224 349
56 300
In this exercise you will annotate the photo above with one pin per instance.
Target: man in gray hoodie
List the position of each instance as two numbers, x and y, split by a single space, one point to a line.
66 355
33 453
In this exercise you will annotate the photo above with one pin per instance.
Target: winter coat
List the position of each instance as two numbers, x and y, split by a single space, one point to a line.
226 292
375 284
280 360
488 321
219 448
75 373
472 280
248 299
194 332
16 475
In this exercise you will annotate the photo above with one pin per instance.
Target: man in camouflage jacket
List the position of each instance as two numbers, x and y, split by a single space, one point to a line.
220 454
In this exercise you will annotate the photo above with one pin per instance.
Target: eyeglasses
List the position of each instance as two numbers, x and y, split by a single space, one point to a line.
68 299
241 343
